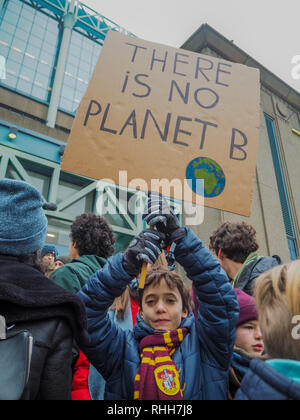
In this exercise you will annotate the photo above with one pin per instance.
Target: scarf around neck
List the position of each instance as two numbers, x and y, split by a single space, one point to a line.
158 377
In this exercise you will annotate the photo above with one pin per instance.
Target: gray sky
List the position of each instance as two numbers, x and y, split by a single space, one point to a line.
267 30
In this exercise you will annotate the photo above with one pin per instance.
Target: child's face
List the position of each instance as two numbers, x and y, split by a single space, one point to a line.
162 307
249 338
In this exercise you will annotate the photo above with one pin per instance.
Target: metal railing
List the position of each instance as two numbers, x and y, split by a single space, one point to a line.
84 16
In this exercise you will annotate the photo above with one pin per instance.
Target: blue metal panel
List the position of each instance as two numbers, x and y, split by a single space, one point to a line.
31 143
58 7
282 190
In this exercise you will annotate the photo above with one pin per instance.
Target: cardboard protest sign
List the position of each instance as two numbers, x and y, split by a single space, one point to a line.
158 112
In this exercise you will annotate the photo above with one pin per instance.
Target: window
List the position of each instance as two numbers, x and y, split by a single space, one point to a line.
284 200
29 38
82 56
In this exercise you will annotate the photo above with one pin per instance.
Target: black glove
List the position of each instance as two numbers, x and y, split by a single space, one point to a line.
144 247
158 213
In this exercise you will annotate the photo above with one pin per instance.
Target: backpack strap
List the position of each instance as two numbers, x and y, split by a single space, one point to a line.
278 259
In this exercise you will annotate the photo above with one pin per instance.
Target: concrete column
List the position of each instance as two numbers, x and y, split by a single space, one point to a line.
69 21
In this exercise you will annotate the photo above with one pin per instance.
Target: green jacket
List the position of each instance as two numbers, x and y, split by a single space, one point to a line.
75 275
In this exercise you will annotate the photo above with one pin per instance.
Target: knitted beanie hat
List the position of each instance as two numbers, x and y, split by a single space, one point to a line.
247 306
49 249
65 259
23 223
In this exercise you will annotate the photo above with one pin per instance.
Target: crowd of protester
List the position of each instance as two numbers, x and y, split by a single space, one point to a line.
98 335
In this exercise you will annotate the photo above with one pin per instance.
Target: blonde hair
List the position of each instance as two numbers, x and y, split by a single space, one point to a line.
277 295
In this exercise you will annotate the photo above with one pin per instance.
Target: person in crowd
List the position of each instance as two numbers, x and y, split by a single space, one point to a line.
28 301
48 255
62 260
235 245
168 355
92 242
124 313
248 344
278 304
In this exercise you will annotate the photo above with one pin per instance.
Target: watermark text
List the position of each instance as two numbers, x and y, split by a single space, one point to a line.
131 200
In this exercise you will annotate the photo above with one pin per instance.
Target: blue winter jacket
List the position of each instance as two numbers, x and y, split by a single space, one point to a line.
204 356
263 382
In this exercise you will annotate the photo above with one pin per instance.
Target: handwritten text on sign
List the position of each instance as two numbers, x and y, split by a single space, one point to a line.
159 112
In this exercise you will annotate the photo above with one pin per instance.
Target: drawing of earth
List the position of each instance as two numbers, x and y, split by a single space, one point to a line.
211 173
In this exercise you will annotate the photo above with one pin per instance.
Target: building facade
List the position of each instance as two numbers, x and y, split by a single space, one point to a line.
276 199
48 51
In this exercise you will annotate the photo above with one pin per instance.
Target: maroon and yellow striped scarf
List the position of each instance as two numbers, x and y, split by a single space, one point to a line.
158 377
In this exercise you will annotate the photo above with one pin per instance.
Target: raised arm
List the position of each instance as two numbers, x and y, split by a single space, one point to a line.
108 341
218 308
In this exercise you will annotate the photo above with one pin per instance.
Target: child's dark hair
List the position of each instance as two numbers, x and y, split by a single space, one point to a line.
92 235
236 240
173 281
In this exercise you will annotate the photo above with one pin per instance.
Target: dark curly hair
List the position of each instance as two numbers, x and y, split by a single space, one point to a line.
235 240
92 235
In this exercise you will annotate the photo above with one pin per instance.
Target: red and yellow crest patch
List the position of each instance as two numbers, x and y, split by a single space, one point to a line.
167 379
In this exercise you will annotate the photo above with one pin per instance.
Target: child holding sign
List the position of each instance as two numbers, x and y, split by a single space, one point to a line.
169 355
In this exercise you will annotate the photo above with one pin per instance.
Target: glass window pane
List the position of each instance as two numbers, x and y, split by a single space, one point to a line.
70 82
21 34
15 56
83 53
24 86
11 17
84 75
26 25
73 60
41 182
52 27
33 40
30 62
66 105
30 34
46 57
67 92
76 39
28 13
28 73
59 232
41 80
44 69
6 37
85 67
3 50
32 50
39 93
13 66
10 80
7 27
19 45
14 6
